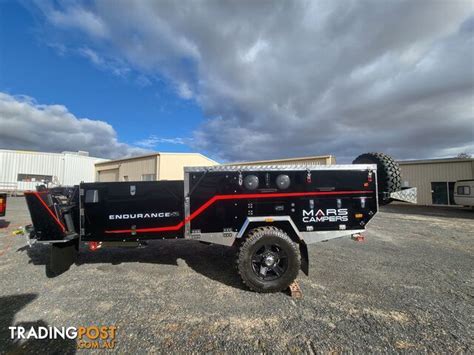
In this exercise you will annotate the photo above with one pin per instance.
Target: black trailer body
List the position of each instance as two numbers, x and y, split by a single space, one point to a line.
271 213
220 205
314 203
125 211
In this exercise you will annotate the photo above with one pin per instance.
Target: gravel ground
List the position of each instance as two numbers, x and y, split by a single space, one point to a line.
409 287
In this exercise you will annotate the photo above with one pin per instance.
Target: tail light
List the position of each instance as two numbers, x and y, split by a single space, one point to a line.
93 246
3 205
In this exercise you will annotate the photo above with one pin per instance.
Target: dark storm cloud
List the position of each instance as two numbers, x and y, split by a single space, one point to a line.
286 78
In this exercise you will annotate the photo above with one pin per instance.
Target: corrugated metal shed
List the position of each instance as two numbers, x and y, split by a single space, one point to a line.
311 160
24 170
132 169
435 178
172 164
156 166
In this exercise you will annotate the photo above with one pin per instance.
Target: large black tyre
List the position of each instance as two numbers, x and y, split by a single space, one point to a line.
268 260
388 173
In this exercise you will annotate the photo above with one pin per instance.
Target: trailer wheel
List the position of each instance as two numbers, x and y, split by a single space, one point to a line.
268 260
388 174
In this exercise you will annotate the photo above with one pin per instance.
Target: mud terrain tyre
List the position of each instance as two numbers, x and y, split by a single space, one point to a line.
268 260
388 174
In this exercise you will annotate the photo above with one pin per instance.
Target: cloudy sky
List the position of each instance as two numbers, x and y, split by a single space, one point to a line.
239 80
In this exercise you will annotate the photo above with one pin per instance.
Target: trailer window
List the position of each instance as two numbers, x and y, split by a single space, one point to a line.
464 190
92 196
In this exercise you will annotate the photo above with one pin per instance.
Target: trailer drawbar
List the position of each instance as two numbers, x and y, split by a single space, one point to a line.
268 213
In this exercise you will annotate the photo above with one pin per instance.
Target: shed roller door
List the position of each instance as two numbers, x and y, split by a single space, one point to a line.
109 175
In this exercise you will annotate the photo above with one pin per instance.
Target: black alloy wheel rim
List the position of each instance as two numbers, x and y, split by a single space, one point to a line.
269 262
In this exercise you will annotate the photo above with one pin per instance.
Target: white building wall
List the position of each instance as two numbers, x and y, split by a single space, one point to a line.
79 168
65 168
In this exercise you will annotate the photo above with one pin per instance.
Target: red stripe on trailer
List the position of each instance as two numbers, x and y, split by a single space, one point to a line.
145 230
58 222
208 203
